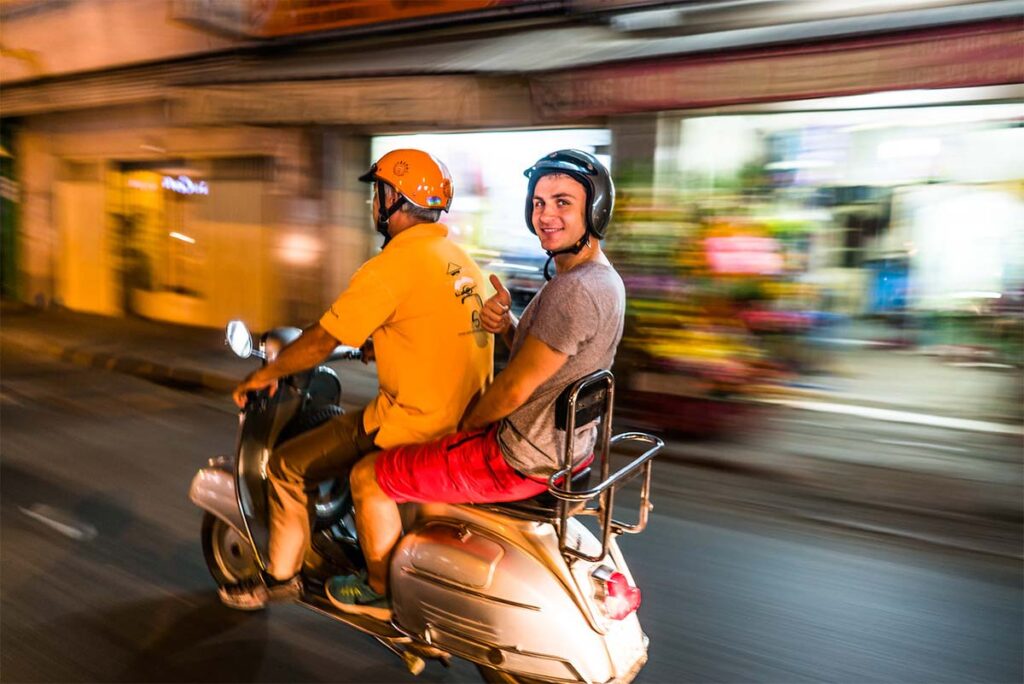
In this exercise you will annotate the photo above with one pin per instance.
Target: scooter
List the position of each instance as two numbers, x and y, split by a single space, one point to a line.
524 590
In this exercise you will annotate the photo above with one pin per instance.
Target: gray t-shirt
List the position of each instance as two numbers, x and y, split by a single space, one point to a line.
579 313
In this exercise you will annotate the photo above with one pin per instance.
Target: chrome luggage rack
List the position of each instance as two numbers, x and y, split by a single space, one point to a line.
588 399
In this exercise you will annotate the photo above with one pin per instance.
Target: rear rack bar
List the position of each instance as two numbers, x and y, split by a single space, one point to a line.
605 490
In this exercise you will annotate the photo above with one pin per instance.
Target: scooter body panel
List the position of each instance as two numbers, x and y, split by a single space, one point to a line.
213 490
495 590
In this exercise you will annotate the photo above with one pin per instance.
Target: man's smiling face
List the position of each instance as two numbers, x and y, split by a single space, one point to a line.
558 204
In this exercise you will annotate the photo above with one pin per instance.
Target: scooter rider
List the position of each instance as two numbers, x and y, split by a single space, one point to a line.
419 300
508 444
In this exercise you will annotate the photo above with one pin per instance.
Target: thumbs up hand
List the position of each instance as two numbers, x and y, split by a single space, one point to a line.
496 316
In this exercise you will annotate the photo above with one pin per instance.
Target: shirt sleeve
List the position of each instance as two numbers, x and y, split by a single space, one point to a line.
363 307
567 316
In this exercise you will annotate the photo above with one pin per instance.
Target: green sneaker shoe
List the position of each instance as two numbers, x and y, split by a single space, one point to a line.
351 594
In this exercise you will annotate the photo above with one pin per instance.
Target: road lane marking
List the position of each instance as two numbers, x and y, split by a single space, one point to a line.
61 522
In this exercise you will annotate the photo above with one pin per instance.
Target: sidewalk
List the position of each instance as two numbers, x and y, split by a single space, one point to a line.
189 357
929 386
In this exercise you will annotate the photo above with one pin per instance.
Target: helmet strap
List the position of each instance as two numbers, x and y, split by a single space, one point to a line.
575 249
384 214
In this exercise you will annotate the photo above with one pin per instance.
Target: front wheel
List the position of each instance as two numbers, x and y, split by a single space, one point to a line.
229 555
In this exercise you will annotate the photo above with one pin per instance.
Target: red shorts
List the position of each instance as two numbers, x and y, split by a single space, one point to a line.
465 467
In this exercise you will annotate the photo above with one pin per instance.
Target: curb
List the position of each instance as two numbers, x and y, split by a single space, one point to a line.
803 399
177 376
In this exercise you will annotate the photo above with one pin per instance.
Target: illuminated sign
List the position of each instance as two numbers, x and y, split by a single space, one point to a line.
185 185
741 254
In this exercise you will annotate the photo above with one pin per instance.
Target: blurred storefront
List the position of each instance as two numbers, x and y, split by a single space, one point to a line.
762 177
764 231
188 225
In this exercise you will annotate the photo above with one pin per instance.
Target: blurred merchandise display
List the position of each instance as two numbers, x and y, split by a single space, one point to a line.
770 241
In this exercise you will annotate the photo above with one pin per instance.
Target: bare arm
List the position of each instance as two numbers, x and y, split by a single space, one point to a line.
312 347
535 363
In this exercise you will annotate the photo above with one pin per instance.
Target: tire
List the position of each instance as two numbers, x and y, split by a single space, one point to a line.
229 556
495 676
304 422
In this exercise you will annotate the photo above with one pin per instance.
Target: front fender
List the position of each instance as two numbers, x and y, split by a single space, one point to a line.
213 490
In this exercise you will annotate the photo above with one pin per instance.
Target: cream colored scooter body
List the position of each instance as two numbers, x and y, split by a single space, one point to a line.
496 590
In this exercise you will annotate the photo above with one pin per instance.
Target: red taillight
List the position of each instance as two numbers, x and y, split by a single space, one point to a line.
620 597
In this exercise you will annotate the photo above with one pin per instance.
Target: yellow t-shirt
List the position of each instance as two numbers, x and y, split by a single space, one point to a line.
420 300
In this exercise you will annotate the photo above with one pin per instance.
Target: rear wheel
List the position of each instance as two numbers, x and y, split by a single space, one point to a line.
229 555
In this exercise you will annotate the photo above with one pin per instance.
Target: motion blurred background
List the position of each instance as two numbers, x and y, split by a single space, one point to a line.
820 211
799 182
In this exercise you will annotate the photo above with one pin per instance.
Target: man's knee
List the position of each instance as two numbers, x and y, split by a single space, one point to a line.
363 479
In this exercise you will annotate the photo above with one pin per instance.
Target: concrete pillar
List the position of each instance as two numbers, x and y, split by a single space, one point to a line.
348 227
38 240
634 142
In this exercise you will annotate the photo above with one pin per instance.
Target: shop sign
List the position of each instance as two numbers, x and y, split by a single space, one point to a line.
184 185
743 255
970 55
273 18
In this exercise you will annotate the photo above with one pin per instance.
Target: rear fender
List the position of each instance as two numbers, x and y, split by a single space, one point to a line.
213 490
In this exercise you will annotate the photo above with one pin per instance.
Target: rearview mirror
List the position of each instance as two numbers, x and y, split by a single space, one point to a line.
239 339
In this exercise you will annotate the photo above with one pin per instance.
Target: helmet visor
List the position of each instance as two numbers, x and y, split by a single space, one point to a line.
370 175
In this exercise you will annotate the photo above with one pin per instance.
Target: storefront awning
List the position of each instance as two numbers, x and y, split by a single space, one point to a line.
962 56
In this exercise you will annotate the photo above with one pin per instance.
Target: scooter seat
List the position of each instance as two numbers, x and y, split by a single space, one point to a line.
544 506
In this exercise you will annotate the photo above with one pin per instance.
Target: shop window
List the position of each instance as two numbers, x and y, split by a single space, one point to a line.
157 228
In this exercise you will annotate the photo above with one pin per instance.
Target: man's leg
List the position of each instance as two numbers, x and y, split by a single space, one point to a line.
459 468
325 452
377 521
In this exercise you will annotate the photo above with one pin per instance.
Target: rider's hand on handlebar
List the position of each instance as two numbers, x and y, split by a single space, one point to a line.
368 355
496 316
253 383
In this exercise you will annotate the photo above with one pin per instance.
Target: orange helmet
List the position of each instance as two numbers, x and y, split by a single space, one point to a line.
417 176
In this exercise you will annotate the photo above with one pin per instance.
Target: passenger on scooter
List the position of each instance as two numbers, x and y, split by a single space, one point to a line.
419 304
508 444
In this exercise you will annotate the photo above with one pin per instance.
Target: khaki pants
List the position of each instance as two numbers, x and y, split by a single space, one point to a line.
293 470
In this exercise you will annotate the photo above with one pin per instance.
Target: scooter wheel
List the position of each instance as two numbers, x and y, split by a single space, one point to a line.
229 556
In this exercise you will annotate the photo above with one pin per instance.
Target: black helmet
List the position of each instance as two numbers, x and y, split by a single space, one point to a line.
584 168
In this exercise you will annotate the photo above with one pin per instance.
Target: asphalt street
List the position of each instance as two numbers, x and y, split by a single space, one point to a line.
743 579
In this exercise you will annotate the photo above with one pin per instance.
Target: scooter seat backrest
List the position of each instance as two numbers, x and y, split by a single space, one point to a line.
590 404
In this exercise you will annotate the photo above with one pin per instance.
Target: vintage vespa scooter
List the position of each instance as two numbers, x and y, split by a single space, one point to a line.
524 590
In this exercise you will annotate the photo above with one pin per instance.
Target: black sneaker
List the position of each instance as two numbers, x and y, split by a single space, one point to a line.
254 593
